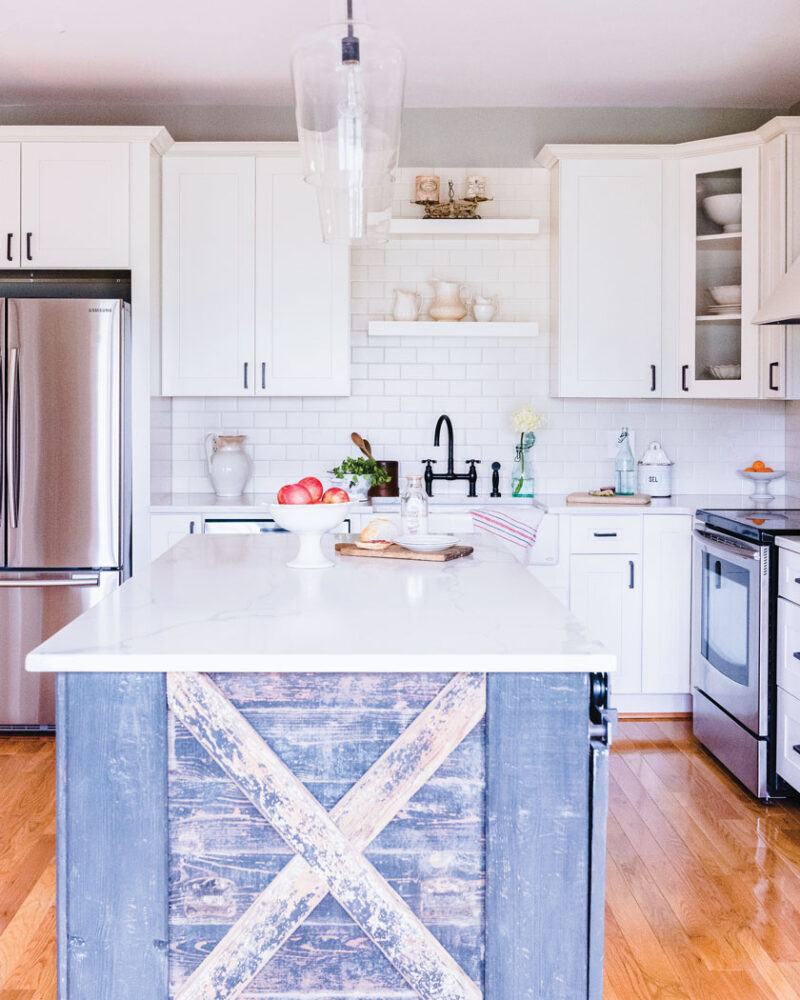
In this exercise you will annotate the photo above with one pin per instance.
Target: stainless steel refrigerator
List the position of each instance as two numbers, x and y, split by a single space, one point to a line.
64 480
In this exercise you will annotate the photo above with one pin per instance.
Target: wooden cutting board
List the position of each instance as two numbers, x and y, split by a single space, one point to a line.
636 500
398 552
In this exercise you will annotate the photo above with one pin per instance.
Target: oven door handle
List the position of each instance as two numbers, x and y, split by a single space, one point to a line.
712 543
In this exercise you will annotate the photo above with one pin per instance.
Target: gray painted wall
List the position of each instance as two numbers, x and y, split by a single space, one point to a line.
499 137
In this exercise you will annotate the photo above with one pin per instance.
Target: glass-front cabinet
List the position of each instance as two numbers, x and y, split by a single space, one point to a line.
718 350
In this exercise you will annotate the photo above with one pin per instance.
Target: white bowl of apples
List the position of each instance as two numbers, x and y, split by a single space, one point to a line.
309 511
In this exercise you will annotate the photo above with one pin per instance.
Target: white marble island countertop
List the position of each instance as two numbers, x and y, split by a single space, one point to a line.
228 603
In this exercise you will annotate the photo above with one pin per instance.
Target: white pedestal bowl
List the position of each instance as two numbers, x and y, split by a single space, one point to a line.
309 522
762 495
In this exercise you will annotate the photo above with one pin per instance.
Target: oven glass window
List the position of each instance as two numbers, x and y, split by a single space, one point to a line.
725 619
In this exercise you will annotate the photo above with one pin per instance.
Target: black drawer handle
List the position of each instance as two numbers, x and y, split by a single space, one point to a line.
9 238
684 373
796 656
797 579
605 534
772 367
652 378
796 748
28 238
630 580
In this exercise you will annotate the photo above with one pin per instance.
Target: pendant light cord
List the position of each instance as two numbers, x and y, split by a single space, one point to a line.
351 53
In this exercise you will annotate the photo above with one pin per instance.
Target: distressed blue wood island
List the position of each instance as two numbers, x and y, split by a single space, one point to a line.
423 815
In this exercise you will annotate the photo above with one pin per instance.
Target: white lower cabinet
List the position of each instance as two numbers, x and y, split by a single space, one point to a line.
666 604
630 586
167 529
605 594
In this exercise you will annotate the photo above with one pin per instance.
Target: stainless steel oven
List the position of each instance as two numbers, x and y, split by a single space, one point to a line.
731 607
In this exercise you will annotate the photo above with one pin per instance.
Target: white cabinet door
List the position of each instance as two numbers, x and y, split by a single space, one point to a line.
167 529
610 278
302 290
605 595
772 339
209 273
75 204
712 344
9 203
666 603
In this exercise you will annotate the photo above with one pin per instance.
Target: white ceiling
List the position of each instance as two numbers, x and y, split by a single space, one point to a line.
461 53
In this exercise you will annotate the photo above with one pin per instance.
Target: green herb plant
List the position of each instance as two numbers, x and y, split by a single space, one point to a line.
354 468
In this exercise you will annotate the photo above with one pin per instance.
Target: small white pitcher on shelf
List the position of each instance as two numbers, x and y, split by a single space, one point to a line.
447 305
483 308
228 464
406 306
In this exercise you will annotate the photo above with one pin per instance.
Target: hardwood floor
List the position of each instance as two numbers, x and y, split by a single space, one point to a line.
703 881
703 892
27 868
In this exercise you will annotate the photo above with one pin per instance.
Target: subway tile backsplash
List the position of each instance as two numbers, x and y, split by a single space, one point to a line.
400 386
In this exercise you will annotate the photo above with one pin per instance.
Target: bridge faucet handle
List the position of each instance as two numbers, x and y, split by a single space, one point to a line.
428 461
472 461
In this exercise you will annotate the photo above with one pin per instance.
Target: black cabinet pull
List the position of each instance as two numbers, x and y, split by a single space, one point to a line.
797 579
772 366
28 238
630 581
605 534
9 238
263 375
652 378
245 373
796 656
684 373
796 748
191 527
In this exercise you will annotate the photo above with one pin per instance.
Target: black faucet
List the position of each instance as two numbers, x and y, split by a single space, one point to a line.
471 476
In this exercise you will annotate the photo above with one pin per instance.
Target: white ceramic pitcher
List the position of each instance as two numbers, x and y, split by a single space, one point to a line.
447 304
406 306
228 463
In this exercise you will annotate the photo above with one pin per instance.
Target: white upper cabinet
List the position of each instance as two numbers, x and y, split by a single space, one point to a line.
302 290
75 204
254 302
209 273
718 345
64 204
608 258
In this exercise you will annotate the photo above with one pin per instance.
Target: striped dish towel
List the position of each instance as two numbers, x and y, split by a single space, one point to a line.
519 533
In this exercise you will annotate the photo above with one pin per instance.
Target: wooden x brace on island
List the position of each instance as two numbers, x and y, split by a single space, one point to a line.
328 846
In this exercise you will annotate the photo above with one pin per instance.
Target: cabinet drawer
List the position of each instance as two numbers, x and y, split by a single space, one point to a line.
787 758
789 575
789 646
607 533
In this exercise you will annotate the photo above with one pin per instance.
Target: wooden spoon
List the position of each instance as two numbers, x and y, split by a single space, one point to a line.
368 448
361 444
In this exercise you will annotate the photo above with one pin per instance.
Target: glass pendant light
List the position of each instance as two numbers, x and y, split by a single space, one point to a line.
348 83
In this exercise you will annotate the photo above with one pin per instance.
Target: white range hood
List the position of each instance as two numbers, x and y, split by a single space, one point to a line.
783 303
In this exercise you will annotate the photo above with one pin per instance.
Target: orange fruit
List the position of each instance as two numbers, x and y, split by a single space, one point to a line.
749 469
767 469
758 466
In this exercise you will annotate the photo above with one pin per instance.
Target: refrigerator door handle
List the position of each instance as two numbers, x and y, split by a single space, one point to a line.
68 580
12 432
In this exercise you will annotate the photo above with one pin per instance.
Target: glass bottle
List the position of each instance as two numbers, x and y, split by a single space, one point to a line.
625 466
414 507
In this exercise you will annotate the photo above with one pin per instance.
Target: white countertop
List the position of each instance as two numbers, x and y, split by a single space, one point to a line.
255 503
229 603
789 542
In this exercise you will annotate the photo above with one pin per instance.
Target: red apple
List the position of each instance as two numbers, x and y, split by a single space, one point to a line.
335 495
314 487
295 493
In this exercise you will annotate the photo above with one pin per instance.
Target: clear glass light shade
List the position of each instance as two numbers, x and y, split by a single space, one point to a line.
348 122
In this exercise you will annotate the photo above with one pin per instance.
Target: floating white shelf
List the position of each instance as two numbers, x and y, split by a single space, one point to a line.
721 318
430 328
464 227
720 241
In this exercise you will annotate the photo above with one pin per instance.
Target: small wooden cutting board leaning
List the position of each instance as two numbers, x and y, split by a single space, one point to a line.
635 499
398 552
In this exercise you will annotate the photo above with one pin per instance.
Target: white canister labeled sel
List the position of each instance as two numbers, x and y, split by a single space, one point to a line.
228 463
655 471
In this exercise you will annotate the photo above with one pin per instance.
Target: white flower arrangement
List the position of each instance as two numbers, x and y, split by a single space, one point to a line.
526 420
